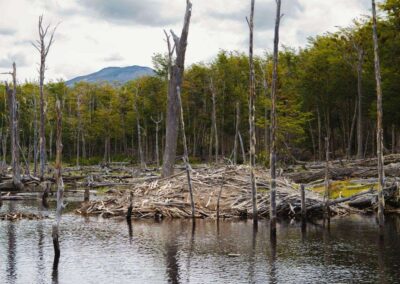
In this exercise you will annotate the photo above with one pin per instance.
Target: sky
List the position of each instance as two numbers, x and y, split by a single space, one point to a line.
94 34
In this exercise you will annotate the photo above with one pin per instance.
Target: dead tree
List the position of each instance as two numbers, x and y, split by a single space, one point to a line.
214 118
43 49
175 81
379 128
35 137
157 123
79 128
139 133
186 154
274 120
252 110
60 186
14 129
360 61
237 122
327 186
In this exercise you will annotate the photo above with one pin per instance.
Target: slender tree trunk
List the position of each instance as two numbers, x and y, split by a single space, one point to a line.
51 143
141 155
35 138
252 135
176 76
242 147
15 151
214 119
60 186
312 139
157 123
327 186
186 154
274 121
353 123
379 128
319 135
235 147
393 139
360 99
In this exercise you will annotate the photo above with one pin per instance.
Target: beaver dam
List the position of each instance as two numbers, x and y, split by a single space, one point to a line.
152 197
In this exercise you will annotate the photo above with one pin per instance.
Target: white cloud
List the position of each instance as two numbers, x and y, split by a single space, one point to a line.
93 34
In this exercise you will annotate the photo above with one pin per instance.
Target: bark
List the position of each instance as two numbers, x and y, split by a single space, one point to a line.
186 154
274 120
175 82
319 135
242 147
379 128
252 95
79 128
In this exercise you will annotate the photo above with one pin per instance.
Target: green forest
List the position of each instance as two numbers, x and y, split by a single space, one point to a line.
325 89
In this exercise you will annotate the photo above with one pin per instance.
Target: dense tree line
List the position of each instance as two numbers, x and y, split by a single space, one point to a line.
326 89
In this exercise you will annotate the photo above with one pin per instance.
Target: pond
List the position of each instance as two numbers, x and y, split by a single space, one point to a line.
96 250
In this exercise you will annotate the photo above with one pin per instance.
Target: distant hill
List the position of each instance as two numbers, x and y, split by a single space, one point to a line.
114 75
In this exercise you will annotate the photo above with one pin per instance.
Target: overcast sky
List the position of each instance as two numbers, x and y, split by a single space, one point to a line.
94 34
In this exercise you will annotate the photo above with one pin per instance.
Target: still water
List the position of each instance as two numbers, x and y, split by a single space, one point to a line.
95 250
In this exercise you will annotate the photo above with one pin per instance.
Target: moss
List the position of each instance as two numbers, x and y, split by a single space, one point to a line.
344 188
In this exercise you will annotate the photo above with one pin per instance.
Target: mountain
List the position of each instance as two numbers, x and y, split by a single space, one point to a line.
115 75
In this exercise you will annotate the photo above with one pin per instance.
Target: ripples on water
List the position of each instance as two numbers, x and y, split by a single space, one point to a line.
95 250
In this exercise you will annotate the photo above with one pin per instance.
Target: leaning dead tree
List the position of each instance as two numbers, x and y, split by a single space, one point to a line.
252 110
379 128
186 154
43 47
175 81
60 186
14 129
274 119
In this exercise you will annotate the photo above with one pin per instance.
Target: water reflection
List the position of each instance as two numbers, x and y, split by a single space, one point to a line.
180 251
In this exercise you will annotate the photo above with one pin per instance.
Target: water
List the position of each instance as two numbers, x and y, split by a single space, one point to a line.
95 250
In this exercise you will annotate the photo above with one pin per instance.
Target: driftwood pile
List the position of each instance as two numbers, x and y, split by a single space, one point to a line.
341 169
20 216
170 198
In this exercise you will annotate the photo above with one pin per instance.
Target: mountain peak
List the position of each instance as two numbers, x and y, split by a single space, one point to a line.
114 75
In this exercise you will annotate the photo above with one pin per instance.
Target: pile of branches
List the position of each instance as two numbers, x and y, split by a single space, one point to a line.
16 216
169 197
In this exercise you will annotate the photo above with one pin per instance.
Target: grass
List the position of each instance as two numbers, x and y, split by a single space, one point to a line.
344 188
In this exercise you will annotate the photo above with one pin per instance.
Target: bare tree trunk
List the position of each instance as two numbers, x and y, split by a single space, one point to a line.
327 186
312 139
235 145
78 114
139 134
43 49
393 139
35 138
360 96
186 154
157 122
252 110
214 118
242 147
353 123
175 81
12 95
319 136
379 128
274 120
51 143
60 187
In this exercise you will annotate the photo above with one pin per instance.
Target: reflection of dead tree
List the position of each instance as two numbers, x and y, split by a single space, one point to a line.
43 49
